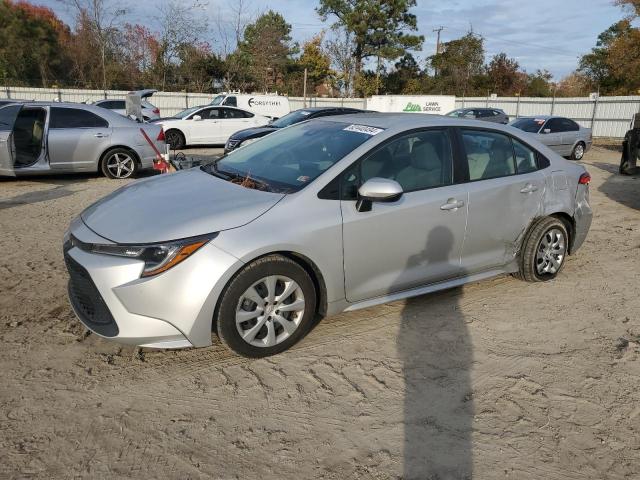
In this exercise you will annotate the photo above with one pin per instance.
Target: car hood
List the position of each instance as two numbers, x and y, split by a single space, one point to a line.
253 132
170 207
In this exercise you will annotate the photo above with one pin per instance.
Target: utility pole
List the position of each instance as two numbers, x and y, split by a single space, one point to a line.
304 88
438 30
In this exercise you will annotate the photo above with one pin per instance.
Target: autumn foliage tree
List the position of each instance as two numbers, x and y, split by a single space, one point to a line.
32 44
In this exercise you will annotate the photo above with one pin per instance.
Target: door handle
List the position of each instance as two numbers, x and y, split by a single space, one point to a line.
100 135
452 204
529 188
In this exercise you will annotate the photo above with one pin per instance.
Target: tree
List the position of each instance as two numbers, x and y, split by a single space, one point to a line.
632 5
405 78
100 20
504 75
340 51
597 65
575 84
181 24
380 28
32 44
267 45
316 61
460 65
539 84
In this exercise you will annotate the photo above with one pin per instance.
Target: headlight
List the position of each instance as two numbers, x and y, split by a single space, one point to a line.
248 141
157 258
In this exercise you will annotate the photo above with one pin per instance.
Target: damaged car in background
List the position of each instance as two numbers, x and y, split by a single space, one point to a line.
50 137
329 215
560 134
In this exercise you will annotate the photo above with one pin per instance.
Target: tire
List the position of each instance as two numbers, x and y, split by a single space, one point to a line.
175 139
119 163
535 250
578 151
264 330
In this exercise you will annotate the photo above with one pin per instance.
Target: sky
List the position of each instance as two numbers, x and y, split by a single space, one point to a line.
539 34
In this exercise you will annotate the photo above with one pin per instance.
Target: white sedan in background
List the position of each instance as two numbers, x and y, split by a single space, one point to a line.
207 125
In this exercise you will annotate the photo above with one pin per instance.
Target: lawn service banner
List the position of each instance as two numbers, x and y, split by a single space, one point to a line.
434 104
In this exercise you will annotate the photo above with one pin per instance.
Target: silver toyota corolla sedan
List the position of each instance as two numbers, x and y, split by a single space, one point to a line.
49 137
560 134
328 215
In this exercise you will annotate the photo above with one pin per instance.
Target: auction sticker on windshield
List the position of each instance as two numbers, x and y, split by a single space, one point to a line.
364 129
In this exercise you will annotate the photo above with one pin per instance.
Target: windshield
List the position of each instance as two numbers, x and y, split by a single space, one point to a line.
186 112
288 160
218 100
455 113
530 125
291 118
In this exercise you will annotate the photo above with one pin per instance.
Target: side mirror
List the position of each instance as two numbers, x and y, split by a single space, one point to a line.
546 130
196 118
377 190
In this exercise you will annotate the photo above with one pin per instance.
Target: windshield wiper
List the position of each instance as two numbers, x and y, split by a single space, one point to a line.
212 168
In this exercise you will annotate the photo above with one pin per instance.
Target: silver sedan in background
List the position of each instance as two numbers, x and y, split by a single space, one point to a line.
332 214
51 137
560 134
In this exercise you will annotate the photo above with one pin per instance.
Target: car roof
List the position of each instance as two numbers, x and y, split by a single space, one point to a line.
406 121
541 117
114 118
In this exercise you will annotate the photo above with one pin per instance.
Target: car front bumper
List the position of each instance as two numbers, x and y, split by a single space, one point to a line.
171 310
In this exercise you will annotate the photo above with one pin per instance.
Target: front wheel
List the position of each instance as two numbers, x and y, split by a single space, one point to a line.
578 151
544 251
268 307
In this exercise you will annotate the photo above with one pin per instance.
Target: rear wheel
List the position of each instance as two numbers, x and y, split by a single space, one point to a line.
266 308
578 151
544 251
119 163
175 139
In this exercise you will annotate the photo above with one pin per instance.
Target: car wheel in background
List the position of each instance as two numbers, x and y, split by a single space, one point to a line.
266 308
119 163
544 250
578 151
175 139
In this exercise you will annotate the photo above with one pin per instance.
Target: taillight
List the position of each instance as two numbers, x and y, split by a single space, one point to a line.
156 111
161 135
584 179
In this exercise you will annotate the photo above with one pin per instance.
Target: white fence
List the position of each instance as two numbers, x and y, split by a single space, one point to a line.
169 103
607 116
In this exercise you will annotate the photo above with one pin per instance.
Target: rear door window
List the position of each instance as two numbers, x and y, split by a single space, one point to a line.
489 154
75 118
231 102
556 125
525 157
233 114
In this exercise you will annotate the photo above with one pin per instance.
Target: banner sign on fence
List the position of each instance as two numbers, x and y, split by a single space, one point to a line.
434 104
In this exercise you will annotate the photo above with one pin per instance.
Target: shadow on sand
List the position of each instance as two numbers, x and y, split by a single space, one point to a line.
436 351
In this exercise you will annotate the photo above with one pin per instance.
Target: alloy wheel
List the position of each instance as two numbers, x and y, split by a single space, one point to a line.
551 252
578 152
270 311
120 165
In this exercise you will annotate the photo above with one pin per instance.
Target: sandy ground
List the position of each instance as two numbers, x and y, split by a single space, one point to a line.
500 379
